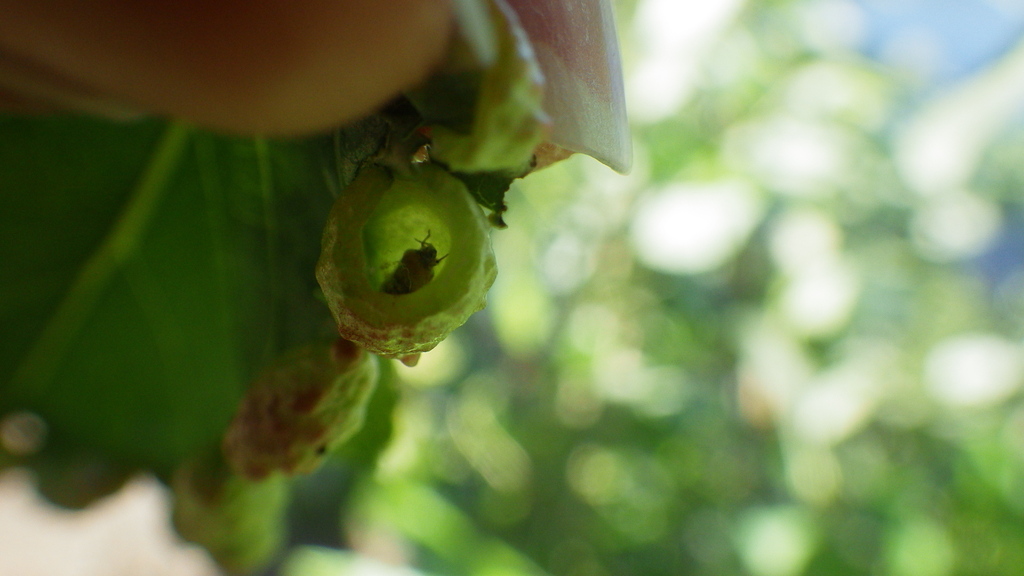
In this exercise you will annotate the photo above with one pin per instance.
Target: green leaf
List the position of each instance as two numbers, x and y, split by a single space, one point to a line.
147 271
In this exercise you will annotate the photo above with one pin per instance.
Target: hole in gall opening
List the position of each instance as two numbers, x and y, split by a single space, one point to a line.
405 248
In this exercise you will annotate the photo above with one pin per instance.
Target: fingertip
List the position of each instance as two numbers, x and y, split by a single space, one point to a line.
268 67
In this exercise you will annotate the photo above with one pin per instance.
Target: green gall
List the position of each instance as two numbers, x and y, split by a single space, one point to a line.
301 408
374 224
240 522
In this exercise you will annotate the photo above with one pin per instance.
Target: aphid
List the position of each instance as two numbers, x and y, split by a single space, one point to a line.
415 270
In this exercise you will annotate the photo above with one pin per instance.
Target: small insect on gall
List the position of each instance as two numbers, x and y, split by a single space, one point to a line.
414 271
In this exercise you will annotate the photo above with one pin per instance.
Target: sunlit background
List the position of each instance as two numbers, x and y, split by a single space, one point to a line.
789 342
